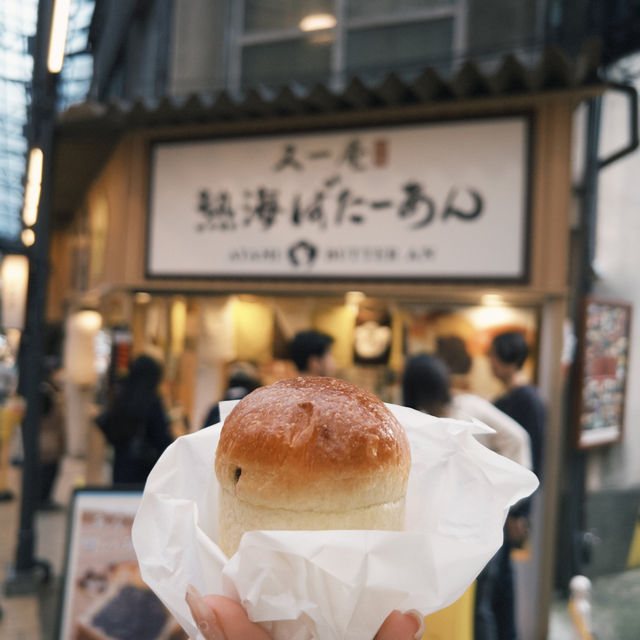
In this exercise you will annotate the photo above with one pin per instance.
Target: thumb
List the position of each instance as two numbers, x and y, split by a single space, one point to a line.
402 626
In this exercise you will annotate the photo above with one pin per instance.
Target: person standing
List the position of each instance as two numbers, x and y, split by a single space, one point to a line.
51 436
510 438
521 401
427 387
311 353
243 379
136 424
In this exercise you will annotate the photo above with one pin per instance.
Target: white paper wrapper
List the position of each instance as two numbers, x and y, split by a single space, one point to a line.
332 585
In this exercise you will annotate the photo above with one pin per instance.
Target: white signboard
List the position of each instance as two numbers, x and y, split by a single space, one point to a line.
419 202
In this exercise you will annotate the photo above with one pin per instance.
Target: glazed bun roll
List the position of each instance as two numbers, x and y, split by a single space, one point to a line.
310 453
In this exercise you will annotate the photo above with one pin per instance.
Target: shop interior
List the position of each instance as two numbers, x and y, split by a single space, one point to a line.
200 339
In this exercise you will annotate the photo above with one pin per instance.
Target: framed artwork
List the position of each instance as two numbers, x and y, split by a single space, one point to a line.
103 595
602 361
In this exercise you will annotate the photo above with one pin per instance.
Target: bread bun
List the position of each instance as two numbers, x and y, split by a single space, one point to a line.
310 453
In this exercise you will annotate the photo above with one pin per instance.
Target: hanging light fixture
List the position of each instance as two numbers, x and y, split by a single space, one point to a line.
317 22
28 237
58 35
32 190
14 277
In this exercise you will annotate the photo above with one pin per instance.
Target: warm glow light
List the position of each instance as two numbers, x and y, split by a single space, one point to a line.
317 21
354 297
58 36
28 237
88 320
178 325
14 275
32 190
81 330
492 300
142 297
34 171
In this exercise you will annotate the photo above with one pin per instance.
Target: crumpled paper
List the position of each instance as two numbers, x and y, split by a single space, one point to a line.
332 585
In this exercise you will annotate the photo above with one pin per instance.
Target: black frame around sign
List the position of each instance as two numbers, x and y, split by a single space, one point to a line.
521 278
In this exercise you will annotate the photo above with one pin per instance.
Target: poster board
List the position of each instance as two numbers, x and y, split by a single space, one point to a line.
603 356
102 589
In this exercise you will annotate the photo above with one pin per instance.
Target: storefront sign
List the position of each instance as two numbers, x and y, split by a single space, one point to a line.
420 202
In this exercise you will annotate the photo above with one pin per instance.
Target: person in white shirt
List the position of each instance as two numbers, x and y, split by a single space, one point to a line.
427 387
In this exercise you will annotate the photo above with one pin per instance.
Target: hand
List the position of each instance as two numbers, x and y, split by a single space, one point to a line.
219 618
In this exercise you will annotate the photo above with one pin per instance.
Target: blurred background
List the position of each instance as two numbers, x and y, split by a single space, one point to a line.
199 181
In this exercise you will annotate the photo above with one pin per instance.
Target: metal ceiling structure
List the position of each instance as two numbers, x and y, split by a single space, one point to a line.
17 24
88 132
17 27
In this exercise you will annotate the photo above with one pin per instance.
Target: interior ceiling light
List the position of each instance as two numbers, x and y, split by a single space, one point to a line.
58 35
32 189
317 22
28 237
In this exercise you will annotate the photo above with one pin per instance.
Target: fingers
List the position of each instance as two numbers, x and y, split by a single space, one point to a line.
234 620
219 618
204 616
402 626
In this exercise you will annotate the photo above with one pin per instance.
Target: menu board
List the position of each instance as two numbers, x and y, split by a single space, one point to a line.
103 594
602 375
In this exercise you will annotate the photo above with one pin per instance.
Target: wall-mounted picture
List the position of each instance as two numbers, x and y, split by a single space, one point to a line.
602 362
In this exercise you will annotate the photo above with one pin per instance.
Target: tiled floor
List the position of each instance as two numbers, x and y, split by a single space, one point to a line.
20 619
34 617
615 601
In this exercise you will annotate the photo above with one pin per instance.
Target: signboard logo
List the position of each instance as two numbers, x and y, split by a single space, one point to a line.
302 254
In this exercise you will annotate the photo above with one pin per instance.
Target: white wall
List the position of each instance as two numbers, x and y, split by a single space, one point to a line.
618 264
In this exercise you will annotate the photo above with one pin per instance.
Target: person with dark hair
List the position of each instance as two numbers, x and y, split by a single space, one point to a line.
243 379
426 386
510 438
136 424
521 401
311 353
453 352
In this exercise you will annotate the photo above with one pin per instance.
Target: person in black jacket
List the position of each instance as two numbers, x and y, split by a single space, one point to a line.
136 424
496 608
243 379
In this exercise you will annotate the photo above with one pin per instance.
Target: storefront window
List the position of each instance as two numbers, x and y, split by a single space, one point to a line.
270 15
272 45
409 45
281 62
368 8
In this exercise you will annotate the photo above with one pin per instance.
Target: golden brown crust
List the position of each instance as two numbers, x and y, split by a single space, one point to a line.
313 443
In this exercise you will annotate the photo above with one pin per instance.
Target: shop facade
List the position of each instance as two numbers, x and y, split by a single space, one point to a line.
213 232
